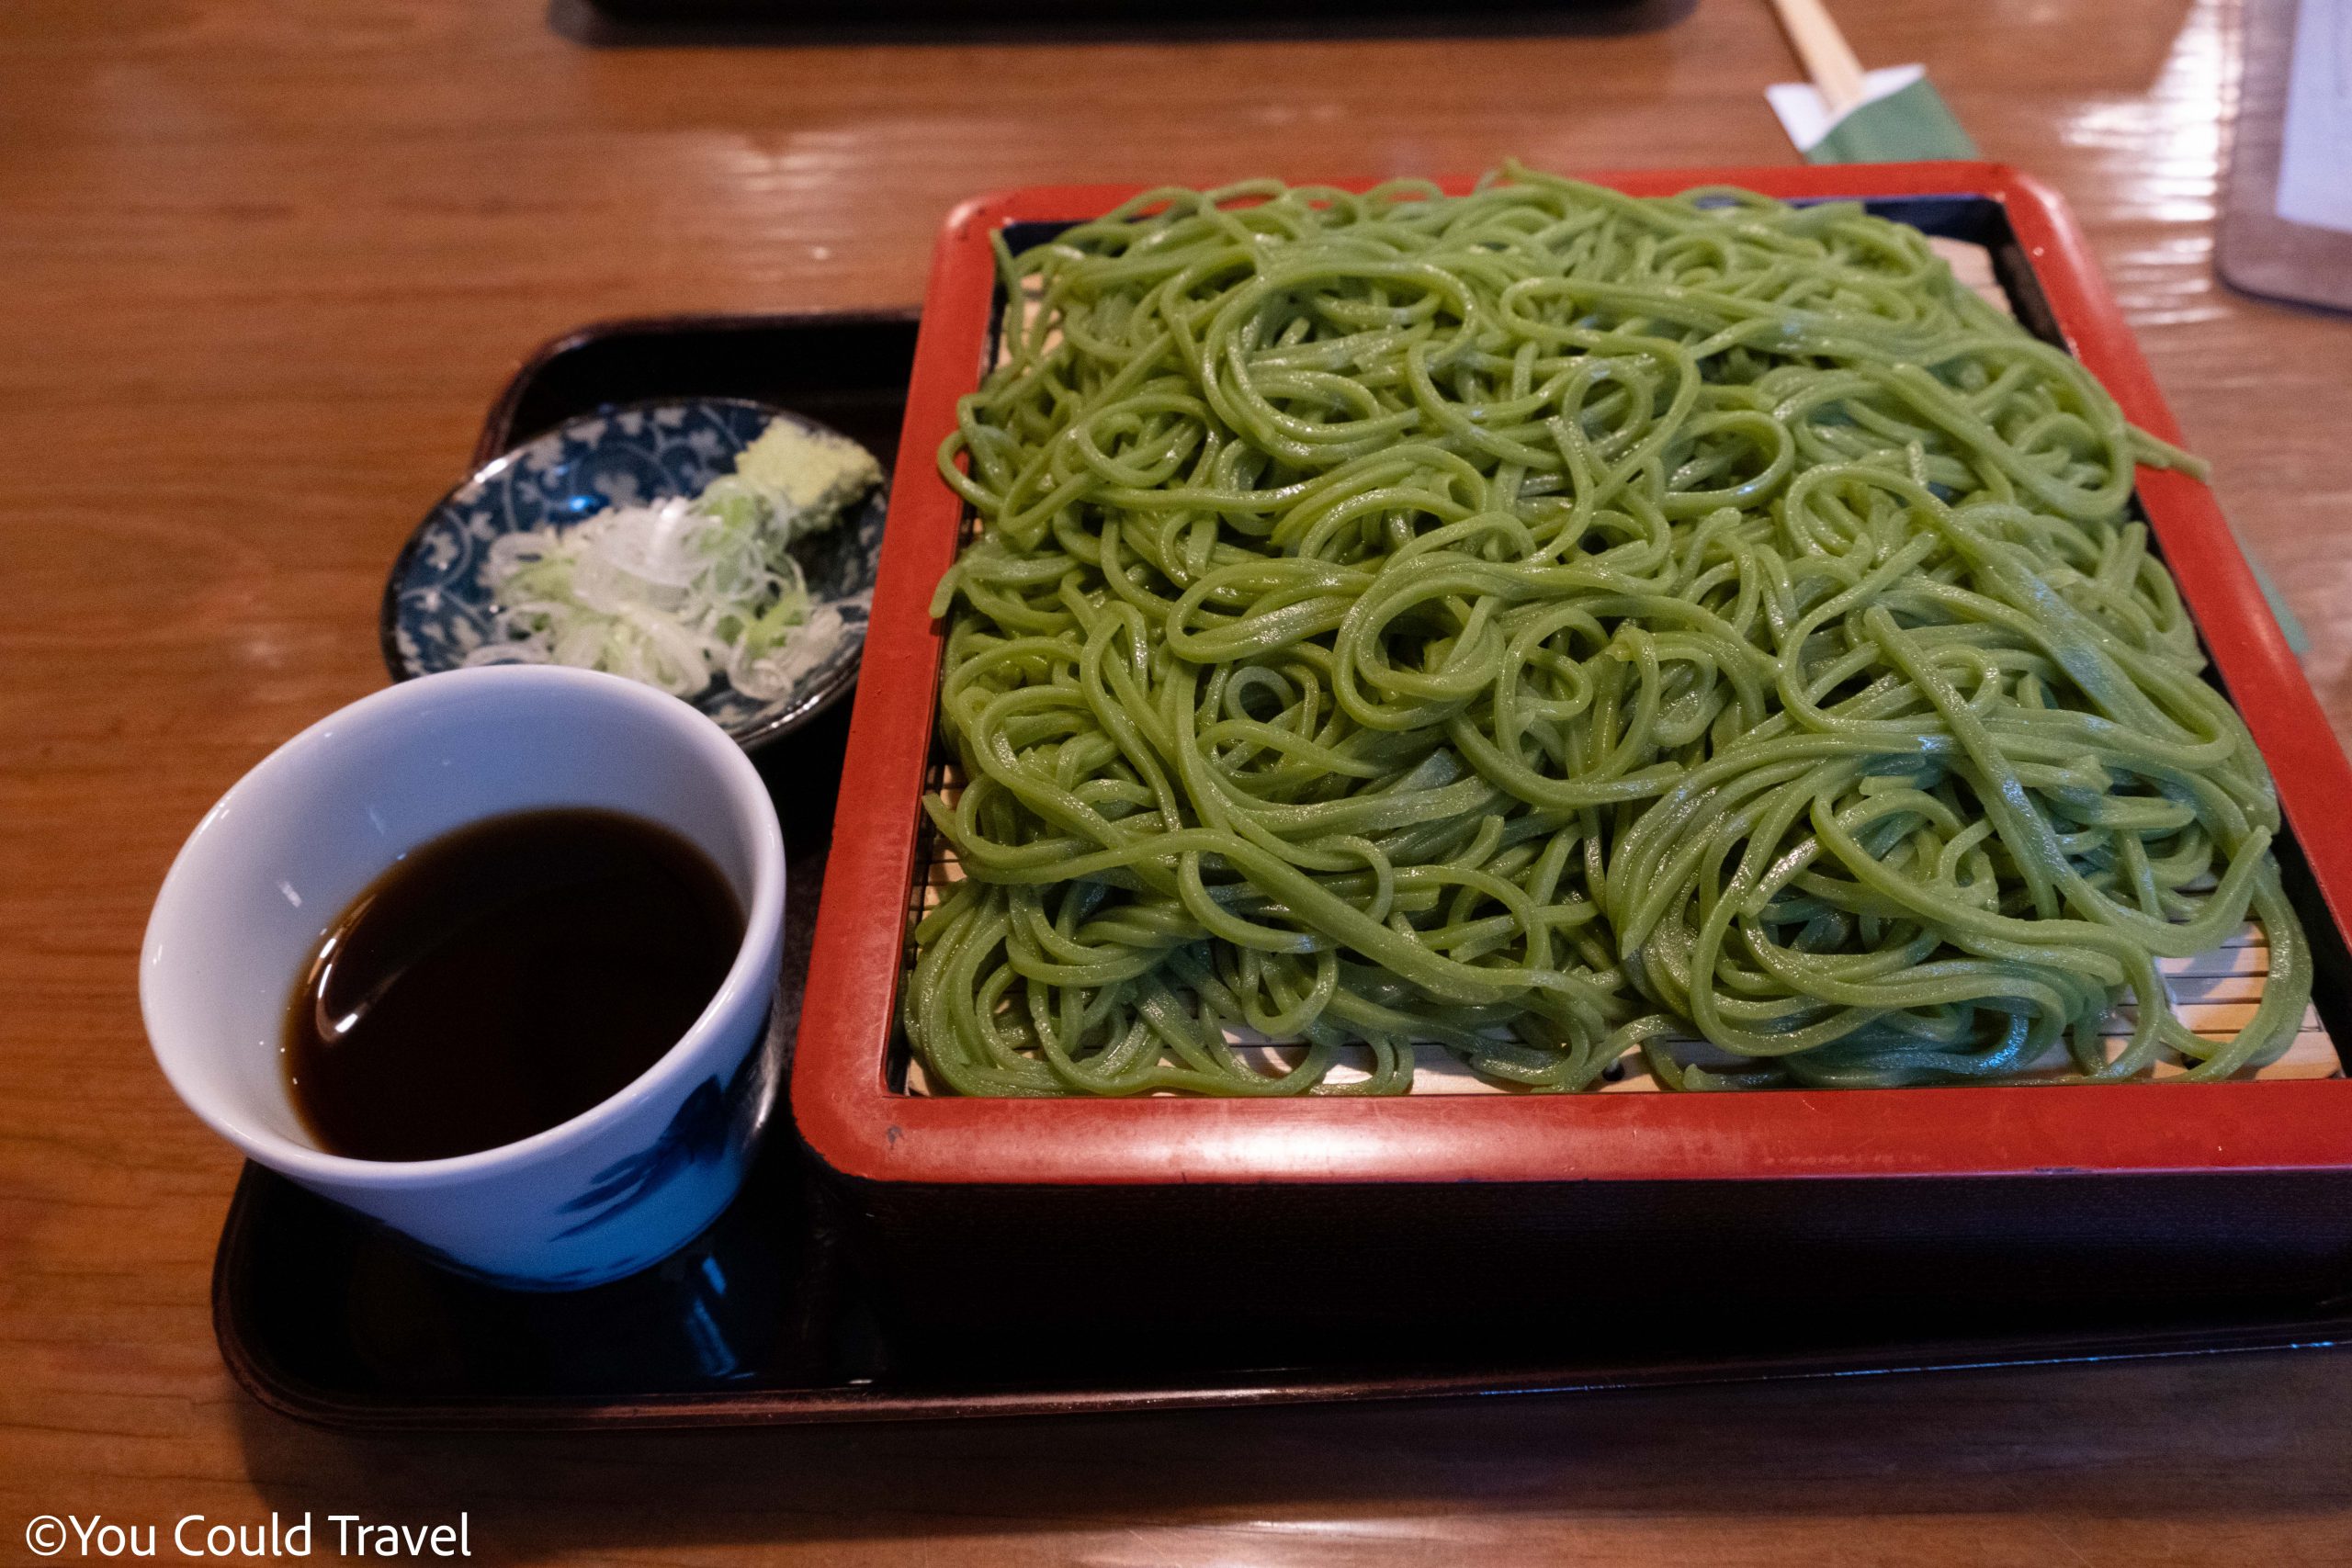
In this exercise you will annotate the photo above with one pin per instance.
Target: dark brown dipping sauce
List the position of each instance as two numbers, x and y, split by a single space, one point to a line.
502 979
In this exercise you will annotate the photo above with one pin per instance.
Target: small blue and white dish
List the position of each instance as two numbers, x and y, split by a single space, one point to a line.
438 607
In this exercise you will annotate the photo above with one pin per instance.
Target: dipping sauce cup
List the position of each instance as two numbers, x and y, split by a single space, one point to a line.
281 856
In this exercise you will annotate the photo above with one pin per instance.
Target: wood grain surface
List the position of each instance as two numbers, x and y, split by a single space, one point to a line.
260 267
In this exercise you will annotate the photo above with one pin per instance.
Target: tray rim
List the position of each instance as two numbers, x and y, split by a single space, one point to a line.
2328 1326
856 1125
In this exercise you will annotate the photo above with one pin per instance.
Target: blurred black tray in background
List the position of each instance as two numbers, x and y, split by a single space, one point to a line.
755 23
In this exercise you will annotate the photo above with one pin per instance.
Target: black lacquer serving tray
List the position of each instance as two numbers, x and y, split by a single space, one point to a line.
766 1319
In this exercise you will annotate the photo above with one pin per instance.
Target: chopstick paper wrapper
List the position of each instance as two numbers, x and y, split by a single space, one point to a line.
1901 120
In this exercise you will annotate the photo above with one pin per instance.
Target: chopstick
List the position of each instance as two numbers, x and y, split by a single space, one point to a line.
1829 59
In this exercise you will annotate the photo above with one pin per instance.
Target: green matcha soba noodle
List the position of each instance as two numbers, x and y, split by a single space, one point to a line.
1549 623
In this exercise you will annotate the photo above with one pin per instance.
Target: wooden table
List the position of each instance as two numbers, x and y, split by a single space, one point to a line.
260 267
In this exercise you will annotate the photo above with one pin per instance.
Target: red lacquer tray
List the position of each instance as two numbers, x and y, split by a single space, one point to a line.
863 1129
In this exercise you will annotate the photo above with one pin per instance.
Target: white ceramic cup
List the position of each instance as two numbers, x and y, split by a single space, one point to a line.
284 852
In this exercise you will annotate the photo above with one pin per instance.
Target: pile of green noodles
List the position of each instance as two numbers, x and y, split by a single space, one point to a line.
1549 623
